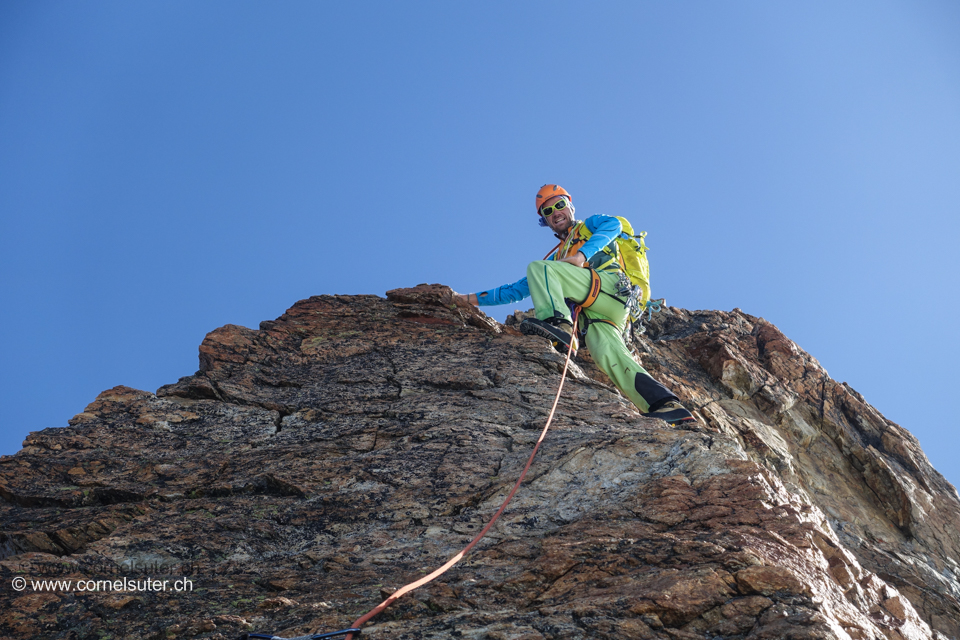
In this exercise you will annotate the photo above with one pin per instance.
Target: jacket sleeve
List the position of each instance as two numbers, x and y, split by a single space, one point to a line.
604 229
504 294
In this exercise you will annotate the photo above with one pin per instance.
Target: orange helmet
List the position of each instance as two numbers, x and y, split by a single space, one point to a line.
548 191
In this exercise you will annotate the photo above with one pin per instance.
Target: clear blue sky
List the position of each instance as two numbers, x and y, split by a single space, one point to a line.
170 167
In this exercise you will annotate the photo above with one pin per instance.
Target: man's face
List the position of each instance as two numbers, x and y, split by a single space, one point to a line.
560 220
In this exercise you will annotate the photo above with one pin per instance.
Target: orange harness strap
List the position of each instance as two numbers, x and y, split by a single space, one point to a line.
594 291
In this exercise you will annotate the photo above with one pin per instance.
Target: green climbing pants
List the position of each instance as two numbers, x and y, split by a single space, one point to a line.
552 283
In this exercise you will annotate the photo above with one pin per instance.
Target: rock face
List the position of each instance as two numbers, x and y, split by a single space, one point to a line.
311 467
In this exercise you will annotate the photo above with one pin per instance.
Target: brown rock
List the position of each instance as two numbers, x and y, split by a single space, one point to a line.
356 443
896 607
118 602
770 580
276 603
749 606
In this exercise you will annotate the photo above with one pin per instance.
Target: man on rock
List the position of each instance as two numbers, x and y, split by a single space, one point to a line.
572 272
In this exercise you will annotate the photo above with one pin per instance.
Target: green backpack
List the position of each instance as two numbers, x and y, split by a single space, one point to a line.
633 253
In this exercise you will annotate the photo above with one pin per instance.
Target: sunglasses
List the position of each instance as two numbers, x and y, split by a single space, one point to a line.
546 212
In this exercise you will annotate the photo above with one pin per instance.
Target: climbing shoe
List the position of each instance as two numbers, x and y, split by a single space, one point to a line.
673 413
557 332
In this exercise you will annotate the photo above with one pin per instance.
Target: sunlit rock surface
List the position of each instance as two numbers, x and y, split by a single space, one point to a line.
314 465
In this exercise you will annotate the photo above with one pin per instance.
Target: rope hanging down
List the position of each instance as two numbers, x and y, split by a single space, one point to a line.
457 558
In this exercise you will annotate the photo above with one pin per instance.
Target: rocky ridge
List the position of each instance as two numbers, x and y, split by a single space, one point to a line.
314 465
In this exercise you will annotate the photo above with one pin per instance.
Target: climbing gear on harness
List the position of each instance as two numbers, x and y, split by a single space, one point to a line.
316 636
455 559
624 286
672 412
632 294
638 326
560 205
557 330
548 191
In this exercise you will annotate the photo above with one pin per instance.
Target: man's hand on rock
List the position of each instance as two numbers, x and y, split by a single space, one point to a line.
576 260
469 297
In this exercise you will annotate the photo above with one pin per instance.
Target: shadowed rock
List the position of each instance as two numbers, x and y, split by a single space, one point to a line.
316 464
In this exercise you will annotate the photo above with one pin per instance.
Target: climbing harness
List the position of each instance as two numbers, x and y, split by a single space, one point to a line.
355 628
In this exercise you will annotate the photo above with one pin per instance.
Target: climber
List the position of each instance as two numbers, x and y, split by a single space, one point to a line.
577 270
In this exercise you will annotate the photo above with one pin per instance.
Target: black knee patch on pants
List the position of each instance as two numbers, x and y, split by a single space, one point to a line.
652 391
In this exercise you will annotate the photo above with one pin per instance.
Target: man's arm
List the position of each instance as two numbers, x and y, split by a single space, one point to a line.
576 260
503 294
604 229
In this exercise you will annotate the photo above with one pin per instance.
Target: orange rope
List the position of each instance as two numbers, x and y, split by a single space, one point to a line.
457 558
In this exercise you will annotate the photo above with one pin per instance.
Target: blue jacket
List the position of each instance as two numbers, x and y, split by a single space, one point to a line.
604 229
